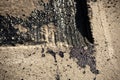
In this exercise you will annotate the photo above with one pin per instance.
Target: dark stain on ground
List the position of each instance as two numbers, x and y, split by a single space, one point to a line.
61 54
57 77
94 78
42 51
33 53
108 59
29 55
84 72
84 57
43 55
23 68
52 53
69 66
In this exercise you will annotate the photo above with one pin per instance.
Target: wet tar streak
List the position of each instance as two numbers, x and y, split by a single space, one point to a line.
84 55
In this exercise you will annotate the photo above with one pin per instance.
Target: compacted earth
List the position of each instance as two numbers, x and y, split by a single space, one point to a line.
23 58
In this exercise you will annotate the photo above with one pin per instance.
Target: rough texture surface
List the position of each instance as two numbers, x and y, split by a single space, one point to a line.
105 22
27 63
49 61
54 23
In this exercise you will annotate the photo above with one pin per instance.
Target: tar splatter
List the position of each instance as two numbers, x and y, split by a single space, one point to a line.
84 72
42 51
84 55
94 78
52 53
61 54
43 55
57 77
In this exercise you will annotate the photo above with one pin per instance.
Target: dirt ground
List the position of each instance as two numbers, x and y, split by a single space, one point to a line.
32 63
105 22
